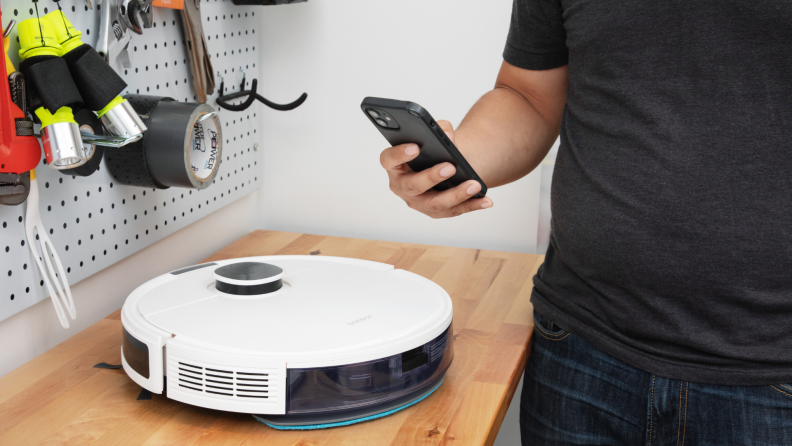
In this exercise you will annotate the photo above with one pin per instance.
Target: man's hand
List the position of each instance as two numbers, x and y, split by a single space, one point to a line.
504 136
415 188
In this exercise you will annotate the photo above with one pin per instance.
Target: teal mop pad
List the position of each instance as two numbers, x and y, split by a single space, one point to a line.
353 421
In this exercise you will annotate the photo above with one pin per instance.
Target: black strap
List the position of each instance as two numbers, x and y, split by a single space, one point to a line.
97 82
51 79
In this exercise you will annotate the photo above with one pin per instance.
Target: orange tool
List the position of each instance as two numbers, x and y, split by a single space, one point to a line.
18 154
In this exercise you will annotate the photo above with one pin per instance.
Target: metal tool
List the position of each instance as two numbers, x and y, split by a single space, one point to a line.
137 14
113 42
207 116
14 188
200 62
19 150
106 140
109 140
16 82
56 283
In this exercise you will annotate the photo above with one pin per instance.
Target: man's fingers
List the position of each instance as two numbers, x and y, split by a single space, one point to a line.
469 206
448 129
417 183
448 199
393 158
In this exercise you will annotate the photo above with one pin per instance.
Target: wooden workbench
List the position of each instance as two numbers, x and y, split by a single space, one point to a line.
59 398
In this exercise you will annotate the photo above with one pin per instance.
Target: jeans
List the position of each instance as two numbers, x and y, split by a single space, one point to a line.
573 394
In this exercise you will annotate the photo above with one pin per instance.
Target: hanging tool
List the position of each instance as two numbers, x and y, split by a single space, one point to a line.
54 93
113 42
56 283
222 100
137 14
14 187
19 150
99 85
6 44
200 63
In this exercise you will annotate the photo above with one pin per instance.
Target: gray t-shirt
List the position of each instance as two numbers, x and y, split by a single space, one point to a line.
671 244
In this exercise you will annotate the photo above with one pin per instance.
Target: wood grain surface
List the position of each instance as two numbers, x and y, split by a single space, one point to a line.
59 398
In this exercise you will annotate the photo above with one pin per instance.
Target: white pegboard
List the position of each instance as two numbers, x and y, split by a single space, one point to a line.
94 222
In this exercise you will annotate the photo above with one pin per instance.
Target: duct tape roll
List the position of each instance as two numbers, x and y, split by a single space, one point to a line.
183 146
88 124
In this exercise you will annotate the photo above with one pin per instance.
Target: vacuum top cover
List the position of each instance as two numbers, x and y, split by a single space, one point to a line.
295 308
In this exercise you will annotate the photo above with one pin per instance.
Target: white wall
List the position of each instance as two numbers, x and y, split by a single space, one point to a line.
36 329
321 171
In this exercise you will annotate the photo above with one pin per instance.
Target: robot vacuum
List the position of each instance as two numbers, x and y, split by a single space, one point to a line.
300 342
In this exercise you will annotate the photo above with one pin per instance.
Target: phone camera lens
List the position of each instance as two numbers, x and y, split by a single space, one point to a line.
373 113
381 122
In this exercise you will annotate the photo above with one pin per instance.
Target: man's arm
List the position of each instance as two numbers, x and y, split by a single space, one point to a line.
504 136
509 131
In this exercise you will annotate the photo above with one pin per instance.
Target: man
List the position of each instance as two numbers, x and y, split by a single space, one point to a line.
664 305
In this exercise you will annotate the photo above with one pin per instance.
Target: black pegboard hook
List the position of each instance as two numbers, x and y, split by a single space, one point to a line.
222 100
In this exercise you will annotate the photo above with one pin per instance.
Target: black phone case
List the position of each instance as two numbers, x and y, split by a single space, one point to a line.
417 126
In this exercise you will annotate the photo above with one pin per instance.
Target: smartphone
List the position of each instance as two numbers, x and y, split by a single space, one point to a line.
402 122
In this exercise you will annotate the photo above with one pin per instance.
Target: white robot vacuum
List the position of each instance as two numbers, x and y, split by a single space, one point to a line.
300 342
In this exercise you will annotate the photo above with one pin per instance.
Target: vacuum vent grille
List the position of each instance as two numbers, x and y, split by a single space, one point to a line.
222 381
